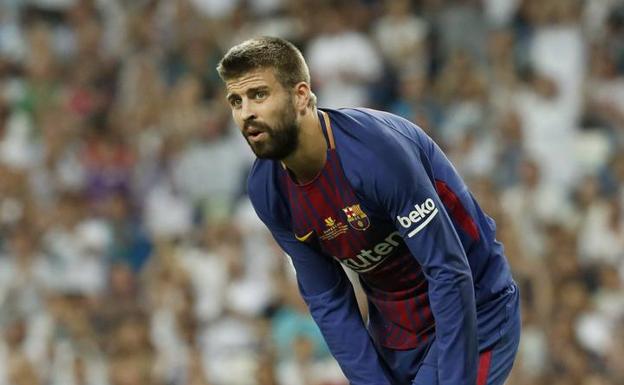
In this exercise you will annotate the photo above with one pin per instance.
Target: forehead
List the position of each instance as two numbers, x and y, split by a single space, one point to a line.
252 79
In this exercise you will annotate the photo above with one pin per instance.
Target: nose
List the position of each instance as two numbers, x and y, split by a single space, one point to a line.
247 112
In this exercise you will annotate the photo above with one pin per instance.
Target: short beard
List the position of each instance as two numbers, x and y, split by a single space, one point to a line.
283 139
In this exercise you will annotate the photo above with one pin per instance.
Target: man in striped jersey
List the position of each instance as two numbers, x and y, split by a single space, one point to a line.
373 192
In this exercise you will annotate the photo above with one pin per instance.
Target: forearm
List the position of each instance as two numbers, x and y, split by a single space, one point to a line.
452 304
337 315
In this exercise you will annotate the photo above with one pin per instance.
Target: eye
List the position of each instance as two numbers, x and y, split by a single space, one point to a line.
261 95
235 102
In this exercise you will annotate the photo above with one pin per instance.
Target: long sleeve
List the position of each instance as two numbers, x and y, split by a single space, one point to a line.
331 300
404 188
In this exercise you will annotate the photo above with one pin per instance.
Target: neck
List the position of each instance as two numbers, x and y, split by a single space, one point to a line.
309 158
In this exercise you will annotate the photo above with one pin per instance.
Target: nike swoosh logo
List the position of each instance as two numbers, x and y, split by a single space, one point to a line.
305 237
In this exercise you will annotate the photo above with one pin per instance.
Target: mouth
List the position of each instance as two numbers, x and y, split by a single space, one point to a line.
257 137
255 134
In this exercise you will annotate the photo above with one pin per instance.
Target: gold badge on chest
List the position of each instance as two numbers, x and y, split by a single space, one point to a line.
333 229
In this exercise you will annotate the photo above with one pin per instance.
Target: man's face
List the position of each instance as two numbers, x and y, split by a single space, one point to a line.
265 113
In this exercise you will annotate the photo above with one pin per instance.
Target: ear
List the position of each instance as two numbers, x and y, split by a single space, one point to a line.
302 96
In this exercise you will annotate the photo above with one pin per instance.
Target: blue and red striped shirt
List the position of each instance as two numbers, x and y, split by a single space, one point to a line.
388 205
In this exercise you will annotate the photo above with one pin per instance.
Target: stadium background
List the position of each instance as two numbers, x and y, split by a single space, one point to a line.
129 254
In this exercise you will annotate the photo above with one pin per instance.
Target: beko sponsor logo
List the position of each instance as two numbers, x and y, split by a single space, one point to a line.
422 214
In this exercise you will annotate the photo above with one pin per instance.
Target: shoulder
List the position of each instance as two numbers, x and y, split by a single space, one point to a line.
373 143
375 128
265 192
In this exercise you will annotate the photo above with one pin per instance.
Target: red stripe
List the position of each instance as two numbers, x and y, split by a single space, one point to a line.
414 318
344 186
297 207
455 208
405 319
296 213
484 367
343 246
390 328
424 314
302 203
426 311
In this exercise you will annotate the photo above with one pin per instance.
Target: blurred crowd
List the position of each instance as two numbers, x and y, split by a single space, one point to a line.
130 255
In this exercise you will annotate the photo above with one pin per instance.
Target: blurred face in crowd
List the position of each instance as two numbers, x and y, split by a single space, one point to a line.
265 112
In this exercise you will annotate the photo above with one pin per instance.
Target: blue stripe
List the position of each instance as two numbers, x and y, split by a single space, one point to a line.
296 205
326 194
420 307
411 318
332 203
343 185
306 199
340 182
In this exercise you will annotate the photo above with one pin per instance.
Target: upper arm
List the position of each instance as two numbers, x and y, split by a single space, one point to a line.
402 185
316 273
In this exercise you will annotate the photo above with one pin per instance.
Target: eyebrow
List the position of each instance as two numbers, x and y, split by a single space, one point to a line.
251 90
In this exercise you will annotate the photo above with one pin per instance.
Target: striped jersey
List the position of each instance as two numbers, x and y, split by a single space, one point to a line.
389 206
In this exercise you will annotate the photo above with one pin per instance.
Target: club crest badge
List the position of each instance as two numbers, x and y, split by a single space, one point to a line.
356 217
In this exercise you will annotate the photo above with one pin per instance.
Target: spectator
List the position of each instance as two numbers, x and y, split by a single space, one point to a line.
129 253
